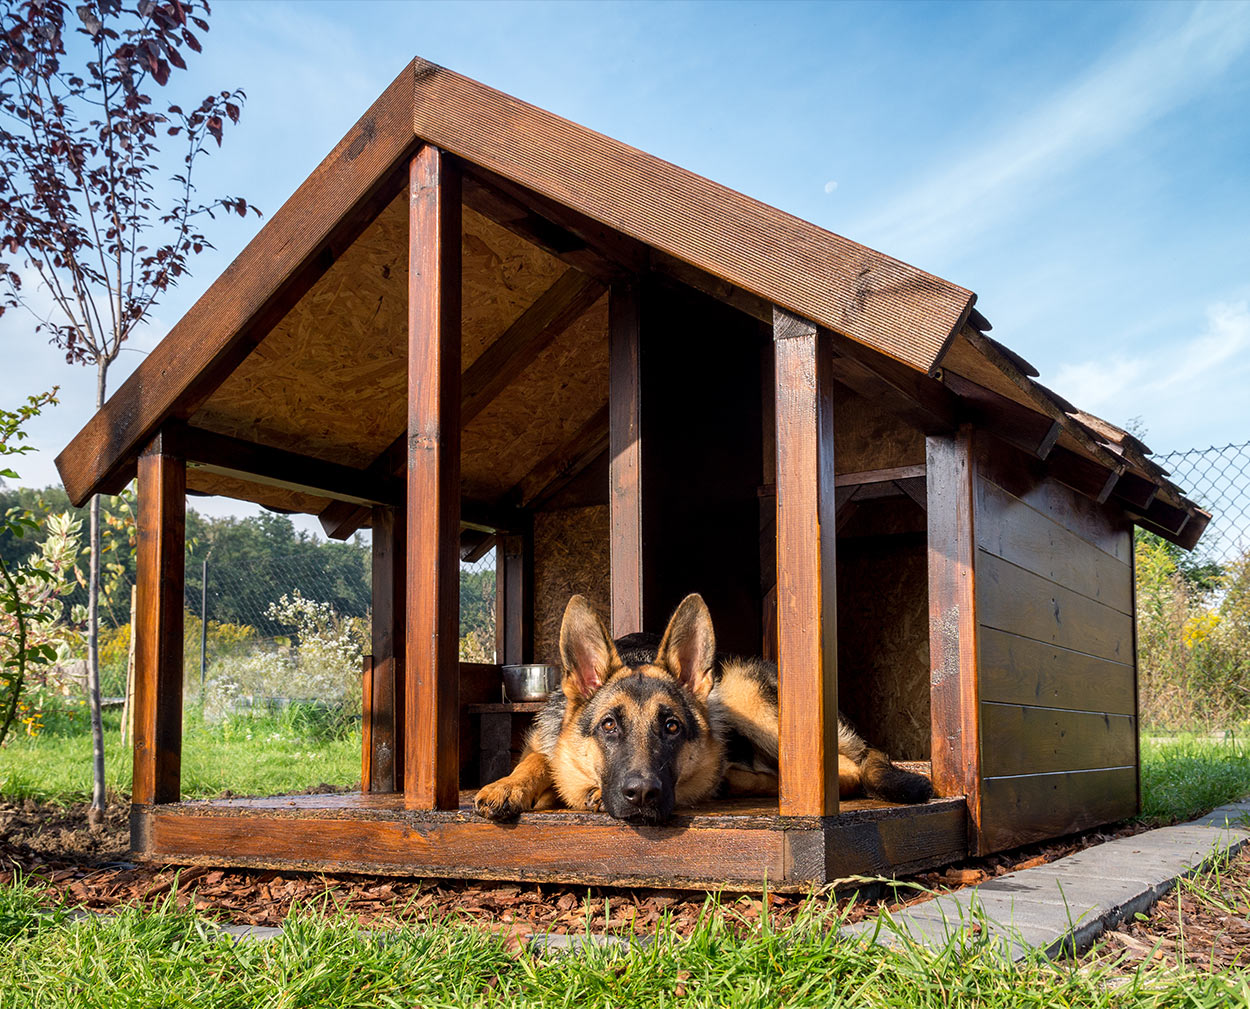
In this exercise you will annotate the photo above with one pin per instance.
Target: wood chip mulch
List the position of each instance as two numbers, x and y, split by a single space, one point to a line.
53 847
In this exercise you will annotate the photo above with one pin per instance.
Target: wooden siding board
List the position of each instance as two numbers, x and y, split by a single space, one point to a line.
1024 808
906 313
1009 598
1018 670
1016 532
1022 739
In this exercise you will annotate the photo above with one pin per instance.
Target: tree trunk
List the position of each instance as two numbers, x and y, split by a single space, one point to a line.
95 816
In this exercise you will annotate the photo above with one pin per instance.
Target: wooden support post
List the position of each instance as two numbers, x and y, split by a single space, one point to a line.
807 645
386 694
625 455
950 467
431 751
158 626
514 598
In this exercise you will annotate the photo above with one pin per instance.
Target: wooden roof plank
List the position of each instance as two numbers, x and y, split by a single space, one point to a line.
294 247
843 286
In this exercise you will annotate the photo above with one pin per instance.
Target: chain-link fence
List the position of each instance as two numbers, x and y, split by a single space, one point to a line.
280 629
1218 478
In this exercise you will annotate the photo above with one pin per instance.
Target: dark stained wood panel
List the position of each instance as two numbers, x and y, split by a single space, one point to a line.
1016 670
1102 526
160 565
1020 739
950 469
862 294
1017 810
807 636
432 597
1010 598
294 247
1016 532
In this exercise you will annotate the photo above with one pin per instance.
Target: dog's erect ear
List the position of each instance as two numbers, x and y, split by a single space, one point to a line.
588 654
688 648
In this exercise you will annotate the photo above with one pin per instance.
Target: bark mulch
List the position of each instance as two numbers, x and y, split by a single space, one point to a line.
53 847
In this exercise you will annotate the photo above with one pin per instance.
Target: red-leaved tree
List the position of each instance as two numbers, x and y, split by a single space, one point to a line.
98 212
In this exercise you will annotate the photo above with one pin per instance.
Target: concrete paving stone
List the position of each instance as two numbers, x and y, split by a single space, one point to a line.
554 944
241 933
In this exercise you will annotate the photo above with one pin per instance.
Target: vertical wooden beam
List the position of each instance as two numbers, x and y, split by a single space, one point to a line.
807 644
514 603
158 625
386 695
951 481
625 454
366 724
431 667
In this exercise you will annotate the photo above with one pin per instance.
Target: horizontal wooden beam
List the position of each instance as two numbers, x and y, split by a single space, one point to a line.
1015 423
273 467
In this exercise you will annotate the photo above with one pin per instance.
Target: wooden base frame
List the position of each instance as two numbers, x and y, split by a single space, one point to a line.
740 845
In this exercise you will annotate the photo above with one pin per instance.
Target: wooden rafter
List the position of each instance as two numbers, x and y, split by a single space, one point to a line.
559 468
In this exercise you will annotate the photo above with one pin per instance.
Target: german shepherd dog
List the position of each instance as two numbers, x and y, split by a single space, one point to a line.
639 728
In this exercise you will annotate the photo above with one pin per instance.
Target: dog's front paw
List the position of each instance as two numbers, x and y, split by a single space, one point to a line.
501 800
593 800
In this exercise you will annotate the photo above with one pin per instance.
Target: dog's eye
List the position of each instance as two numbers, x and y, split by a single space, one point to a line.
672 726
608 724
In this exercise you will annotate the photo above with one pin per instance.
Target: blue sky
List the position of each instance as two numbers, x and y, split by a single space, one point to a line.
1085 168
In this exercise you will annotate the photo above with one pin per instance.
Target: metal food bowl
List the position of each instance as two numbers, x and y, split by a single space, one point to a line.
530 682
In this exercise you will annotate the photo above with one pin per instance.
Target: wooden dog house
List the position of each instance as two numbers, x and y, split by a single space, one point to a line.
478 320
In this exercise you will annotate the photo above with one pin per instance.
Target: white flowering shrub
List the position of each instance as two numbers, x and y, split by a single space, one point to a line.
320 663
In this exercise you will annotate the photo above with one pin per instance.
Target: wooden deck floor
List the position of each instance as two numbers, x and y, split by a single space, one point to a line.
741 843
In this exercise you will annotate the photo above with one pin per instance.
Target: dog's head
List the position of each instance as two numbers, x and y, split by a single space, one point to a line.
640 733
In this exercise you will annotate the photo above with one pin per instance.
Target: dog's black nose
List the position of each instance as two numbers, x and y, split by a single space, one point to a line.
641 789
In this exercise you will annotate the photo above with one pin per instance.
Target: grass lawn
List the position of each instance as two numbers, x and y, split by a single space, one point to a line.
171 958
265 755
1184 777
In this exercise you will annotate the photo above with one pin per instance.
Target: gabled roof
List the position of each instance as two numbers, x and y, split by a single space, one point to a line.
597 201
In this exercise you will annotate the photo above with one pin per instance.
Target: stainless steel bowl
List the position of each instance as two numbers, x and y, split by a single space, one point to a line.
530 682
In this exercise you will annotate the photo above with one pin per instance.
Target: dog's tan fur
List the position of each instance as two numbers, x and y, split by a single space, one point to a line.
728 720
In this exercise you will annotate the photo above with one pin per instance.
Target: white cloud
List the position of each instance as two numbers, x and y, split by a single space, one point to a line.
1203 375
1114 100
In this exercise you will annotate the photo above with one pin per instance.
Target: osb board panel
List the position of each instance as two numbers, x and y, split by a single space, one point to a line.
541 410
867 437
571 555
245 490
503 276
883 641
330 380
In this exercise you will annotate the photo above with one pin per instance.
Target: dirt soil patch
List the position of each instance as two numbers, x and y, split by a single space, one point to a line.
53 847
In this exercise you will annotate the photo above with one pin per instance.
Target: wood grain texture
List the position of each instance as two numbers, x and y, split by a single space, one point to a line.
1026 478
514 605
625 457
742 843
296 245
806 570
366 724
950 467
1010 598
1018 670
431 666
1022 739
862 294
387 694
1018 810
160 567
1016 532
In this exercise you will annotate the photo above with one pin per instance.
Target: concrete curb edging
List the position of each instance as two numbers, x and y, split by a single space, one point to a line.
1063 906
